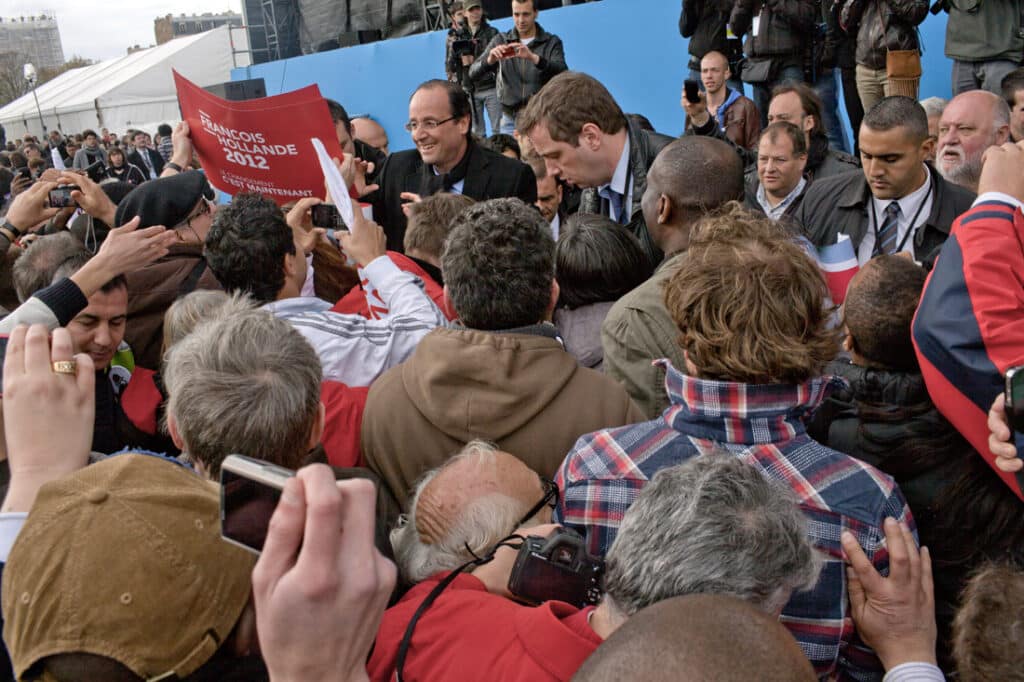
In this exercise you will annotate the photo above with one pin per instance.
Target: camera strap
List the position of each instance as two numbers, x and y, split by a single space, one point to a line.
403 647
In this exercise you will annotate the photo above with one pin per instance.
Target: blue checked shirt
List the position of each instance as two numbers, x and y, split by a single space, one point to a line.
763 425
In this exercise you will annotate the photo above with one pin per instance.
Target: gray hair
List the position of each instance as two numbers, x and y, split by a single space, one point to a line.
714 525
480 525
248 383
933 106
38 264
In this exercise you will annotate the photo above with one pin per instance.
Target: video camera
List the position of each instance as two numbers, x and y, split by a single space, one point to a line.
556 567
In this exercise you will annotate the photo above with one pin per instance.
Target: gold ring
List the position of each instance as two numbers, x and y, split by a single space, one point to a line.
65 367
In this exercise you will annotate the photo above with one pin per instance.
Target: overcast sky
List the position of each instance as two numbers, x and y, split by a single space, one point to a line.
101 30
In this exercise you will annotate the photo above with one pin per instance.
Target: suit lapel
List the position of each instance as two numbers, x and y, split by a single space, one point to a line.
475 184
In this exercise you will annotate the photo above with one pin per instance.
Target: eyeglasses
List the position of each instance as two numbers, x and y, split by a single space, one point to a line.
205 207
427 124
550 499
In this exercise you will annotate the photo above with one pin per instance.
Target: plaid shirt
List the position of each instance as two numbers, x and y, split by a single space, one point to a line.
762 424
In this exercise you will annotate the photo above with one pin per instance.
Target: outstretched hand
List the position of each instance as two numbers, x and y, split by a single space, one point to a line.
894 615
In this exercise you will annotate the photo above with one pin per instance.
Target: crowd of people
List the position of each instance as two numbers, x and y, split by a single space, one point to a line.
579 400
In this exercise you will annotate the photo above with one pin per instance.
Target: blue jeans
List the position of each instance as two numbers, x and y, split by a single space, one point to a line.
763 91
828 92
733 83
508 123
486 100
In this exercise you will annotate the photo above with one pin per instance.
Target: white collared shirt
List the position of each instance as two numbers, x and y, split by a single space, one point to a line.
620 183
556 226
910 206
776 212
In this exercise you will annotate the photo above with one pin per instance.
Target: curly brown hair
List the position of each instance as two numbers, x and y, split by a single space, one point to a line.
750 303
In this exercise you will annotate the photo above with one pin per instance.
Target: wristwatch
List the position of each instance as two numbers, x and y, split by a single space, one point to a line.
9 231
174 166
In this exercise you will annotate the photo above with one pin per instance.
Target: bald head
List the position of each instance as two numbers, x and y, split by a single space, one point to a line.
475 499
464 480
370 132
699 638
691 177
971 123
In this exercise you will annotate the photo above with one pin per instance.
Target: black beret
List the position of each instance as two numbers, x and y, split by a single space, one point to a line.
164 201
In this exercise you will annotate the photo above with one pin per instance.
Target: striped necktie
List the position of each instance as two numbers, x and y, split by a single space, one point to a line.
615 199
887 233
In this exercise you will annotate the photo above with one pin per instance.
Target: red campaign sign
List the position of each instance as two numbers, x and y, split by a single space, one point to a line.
260 145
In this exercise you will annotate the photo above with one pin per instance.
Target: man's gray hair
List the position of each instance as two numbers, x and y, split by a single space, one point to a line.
248 383
933 106
480 525
714 525
37 265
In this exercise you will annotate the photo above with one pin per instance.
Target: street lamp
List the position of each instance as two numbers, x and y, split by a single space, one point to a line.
31 77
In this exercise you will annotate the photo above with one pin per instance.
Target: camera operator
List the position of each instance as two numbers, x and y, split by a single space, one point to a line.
721 520
468 37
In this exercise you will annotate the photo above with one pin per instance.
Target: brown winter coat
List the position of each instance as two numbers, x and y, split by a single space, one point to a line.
522 392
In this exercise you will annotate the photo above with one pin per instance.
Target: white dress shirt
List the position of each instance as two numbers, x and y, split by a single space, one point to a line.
918 203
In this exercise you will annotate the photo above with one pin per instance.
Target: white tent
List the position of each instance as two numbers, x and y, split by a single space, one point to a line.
136 90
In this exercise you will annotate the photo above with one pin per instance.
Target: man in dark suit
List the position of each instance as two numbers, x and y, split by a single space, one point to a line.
445 160
148 160
898 203
576 126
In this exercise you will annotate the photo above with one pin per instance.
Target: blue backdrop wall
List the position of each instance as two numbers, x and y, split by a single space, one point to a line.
633 46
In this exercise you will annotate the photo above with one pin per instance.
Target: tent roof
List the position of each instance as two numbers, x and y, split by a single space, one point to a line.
146 71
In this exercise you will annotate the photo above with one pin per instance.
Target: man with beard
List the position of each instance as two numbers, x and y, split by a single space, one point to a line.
971 123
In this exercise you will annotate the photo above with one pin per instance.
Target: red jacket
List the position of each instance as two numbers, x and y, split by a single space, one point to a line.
471 634
355 303
969 327
343 417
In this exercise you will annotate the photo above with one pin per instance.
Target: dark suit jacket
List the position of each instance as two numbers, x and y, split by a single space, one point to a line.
158 161
839 205
489 176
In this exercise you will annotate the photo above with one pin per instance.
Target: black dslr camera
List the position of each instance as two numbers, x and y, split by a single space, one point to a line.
556 567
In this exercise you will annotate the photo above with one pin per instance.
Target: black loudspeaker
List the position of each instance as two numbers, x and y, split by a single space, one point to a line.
236 91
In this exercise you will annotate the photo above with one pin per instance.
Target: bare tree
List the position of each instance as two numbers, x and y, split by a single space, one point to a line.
12 76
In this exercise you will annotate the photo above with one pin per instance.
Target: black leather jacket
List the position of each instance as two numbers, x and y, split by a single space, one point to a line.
519 79
868 19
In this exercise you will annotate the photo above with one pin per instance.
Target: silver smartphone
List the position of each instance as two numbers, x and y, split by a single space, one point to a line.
249 492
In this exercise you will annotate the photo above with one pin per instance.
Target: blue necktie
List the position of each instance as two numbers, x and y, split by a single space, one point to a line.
889 230
615 199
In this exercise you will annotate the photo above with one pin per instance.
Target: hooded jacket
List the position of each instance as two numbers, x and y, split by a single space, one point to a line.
519 79
521 391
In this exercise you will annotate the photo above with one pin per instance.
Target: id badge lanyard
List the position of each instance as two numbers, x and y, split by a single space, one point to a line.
911 229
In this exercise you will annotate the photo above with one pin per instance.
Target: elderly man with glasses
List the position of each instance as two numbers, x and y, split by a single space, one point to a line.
445 160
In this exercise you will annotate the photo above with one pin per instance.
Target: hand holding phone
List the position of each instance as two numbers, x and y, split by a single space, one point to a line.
61 197
321 585
691 89
249 493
